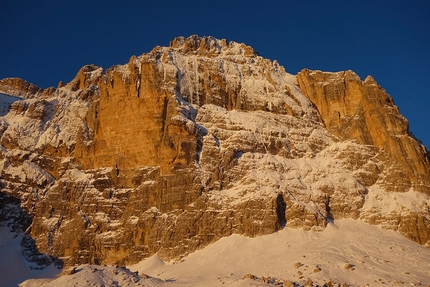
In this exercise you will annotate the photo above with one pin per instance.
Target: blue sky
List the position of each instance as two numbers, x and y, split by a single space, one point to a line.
48 41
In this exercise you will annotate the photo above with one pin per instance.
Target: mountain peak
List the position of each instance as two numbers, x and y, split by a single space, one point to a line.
210 46
18 88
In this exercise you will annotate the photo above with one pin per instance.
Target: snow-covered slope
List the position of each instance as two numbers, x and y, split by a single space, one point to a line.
5 103
14 268
348 251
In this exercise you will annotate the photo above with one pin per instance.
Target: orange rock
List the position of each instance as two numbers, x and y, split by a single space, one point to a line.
352 109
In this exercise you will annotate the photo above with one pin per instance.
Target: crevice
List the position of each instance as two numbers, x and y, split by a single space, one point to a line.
329 218
281 207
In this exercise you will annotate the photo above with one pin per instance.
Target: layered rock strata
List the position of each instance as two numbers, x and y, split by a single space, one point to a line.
192 142
352 109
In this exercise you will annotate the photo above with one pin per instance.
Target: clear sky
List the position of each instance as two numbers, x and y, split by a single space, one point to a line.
46 41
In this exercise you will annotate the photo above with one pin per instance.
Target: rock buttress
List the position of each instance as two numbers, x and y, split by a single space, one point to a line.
352 109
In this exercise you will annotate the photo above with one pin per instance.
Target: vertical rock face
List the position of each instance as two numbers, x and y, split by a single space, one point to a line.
353 109
192 142
135 122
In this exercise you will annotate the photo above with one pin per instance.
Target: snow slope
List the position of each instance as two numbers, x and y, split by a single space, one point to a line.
5 102
348 251
13 268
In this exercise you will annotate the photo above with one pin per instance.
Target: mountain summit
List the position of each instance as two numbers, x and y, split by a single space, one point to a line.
196 141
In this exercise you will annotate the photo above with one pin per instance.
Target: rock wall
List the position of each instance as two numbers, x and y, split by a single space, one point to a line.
193 142
353 109
22 89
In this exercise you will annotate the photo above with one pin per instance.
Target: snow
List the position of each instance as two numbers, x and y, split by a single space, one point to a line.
272 173
93 275
5 102
385 255
13 268
35 123
36 174
76 175
378 258
388 202
248 76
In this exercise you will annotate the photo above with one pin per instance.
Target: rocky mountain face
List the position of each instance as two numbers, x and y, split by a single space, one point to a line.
199 140
352 109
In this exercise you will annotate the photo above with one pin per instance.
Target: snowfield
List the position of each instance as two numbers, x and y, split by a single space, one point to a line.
347 251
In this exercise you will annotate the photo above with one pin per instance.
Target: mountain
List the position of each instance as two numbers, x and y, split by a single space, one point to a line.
197 141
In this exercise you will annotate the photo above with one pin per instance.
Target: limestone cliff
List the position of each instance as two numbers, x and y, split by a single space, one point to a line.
192 142
22 89
352 109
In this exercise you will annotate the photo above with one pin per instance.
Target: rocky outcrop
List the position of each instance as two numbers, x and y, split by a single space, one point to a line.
22 89
189 143
352 109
